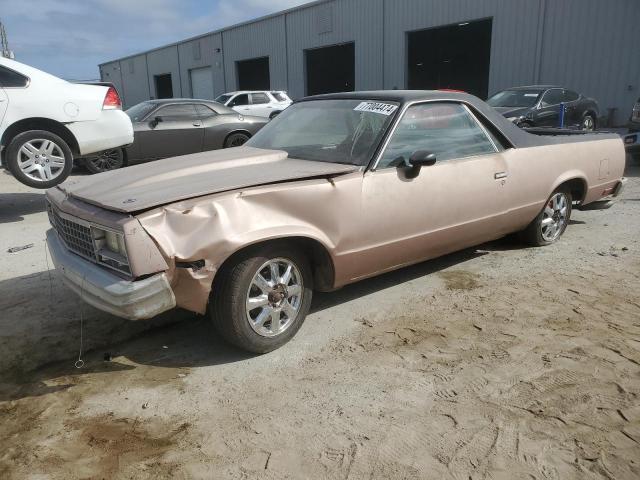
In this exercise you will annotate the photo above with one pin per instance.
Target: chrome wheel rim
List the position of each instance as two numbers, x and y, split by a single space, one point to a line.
107 160
41 159
554 218
274 297
587 124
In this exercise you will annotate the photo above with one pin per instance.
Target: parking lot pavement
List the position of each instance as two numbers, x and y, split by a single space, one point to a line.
499 362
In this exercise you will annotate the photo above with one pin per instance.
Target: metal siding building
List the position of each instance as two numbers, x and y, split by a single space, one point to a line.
587 45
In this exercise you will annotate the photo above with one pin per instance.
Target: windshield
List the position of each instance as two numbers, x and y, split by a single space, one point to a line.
336 131
515 98
223 98
139 111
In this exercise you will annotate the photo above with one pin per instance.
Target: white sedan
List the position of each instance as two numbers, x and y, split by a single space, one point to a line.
46 121
261 103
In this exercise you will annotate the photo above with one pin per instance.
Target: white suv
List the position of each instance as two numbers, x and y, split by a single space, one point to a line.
259 103
46 121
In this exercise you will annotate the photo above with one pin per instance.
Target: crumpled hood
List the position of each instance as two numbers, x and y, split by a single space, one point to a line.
165 181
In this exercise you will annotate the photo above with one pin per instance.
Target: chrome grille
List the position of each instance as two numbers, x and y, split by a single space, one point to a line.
76 237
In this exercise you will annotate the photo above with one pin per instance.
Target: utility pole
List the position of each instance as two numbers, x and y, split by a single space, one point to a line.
4 44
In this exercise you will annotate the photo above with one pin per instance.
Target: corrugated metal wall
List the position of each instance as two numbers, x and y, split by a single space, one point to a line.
262 39
196 53
332 23
163 61
594 47
134 72
583 44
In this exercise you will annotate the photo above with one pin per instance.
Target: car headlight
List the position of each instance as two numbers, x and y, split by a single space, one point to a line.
111 249
514 119
115 242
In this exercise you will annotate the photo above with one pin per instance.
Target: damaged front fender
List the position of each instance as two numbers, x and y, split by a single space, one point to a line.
197 236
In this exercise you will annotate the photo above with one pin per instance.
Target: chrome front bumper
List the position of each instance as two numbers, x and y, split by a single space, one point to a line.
108 292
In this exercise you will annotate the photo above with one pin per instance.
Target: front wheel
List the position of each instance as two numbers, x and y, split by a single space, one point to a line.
105 161
39 159
551 222
262 299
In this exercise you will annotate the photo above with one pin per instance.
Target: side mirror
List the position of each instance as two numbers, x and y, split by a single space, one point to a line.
419 159
156 120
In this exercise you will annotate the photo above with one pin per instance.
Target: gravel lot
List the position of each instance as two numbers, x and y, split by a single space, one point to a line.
500 362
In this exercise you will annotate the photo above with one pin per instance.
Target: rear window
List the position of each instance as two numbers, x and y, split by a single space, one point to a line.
279 96
11 79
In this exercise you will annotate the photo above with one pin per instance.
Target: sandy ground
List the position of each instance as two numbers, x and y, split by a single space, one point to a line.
500 362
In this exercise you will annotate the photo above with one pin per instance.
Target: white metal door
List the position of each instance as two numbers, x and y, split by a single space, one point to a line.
202 83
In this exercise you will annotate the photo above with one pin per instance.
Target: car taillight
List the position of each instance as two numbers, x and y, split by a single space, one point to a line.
111 100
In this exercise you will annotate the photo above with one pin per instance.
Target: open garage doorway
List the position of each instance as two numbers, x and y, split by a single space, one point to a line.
454 56
164 86
331 69
253 74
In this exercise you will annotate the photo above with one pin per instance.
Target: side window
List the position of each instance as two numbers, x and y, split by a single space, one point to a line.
570 96
446 129
204 111
11 79
176 112
259 98
552 97
242 99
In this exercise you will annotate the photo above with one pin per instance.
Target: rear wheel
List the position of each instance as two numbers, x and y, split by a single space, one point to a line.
552 221
39 158
589 123
236 140
105 161
262 299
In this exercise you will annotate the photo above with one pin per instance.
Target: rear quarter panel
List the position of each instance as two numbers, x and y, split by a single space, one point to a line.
535 172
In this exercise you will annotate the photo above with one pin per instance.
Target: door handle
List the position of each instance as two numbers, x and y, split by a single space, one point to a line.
500 175
197 124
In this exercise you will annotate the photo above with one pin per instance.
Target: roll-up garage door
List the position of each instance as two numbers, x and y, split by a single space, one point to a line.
201 83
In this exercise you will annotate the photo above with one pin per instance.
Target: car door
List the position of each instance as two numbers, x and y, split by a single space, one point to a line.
169 131
216 127
548 112
261 104
572 107
457 202
240 103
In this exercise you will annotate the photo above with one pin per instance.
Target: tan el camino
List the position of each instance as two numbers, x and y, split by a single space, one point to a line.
336 189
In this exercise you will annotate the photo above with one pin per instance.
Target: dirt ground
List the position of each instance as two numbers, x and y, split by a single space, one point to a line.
500 362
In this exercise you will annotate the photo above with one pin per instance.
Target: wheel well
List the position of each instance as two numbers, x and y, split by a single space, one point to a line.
246 132
47 124
577 187
322 267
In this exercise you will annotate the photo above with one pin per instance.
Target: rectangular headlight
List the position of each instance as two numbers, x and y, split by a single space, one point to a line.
110 249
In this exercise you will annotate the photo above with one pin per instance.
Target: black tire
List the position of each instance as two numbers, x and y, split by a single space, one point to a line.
589 118
105 161
236 140
533 234
274 115
60 147
229 295
525 124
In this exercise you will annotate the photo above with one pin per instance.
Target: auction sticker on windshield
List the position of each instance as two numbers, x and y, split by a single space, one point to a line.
376 107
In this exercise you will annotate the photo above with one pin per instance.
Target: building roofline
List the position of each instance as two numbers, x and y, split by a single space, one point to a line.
220 30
